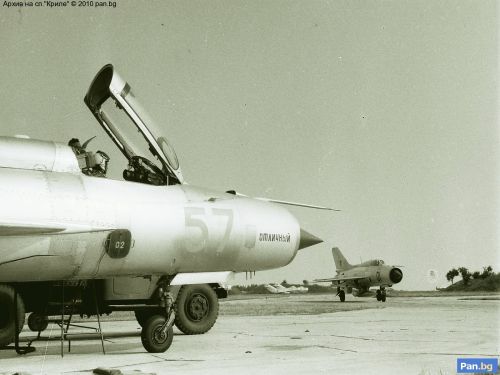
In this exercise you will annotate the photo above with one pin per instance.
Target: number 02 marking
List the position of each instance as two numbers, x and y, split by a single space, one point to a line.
119 244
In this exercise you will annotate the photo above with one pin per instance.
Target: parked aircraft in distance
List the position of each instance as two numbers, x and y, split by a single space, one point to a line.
72 240
358 278
280 289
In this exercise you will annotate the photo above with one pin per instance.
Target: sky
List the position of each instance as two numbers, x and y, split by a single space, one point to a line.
386 110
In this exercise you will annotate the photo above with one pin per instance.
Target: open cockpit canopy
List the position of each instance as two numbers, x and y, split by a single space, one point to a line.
112 102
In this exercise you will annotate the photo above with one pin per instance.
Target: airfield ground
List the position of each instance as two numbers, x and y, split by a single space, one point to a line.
291 334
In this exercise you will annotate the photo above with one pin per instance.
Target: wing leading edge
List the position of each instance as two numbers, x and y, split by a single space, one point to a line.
34 229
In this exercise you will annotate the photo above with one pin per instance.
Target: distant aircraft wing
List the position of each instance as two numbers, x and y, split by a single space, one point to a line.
339 279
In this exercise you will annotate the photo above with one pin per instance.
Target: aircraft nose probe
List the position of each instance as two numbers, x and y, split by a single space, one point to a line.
307 239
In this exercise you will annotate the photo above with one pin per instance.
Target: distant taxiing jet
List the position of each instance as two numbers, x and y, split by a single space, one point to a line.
357 279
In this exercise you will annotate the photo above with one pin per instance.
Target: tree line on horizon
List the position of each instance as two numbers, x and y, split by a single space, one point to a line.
467 275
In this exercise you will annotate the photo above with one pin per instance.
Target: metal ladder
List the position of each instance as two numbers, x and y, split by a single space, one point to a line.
65 323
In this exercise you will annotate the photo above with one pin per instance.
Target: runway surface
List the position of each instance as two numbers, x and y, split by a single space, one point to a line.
420 335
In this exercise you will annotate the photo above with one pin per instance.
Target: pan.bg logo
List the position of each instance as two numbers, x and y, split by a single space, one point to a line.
477 365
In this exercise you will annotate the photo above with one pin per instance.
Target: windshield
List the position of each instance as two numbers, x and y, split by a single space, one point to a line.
167 150
130 137
114 105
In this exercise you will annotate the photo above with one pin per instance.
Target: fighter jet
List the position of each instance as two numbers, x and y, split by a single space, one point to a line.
74 241
358 278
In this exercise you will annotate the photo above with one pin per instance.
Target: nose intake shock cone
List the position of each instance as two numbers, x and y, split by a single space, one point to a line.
307 239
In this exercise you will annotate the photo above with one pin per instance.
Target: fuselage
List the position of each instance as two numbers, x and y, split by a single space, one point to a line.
176 228
365 276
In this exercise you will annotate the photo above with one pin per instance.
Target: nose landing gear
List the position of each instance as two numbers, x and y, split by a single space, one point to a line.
341 294
381 295
158 330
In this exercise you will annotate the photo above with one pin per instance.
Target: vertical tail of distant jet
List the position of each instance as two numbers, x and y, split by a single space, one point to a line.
341 262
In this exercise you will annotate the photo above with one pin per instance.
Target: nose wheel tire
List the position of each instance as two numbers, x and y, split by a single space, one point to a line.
153 337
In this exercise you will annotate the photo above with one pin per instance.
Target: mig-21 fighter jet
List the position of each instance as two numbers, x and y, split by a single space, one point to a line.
105 245
358 278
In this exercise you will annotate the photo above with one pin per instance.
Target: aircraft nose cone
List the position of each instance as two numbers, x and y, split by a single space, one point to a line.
307 239
396 275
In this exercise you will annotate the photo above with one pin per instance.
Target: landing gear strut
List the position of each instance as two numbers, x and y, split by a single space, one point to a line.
341 294
381 296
